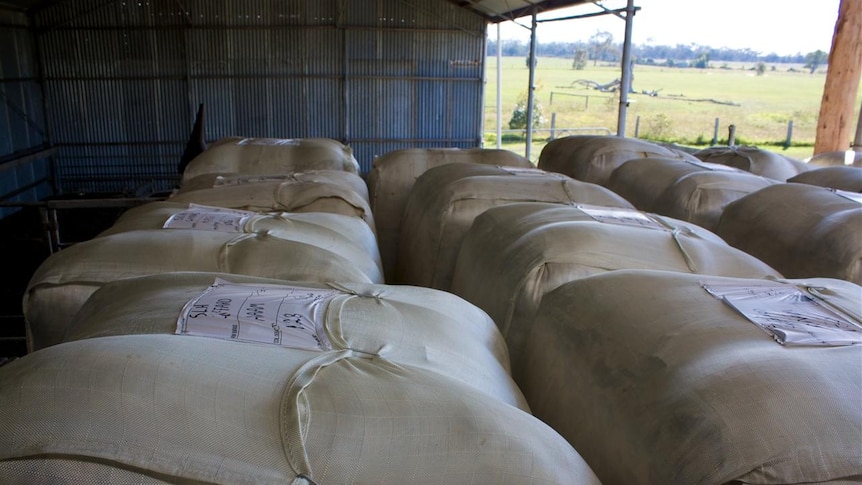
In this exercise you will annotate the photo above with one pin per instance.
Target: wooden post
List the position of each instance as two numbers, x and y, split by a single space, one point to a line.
715 134
835 122
731 135
789 134
553 124
637 126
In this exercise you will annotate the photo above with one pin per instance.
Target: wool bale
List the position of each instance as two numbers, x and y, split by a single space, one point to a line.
345 235
66 279
446 199
641 181
752 159
393 175
592 158
801 230
842 177
828 159
422 327
320 191
655 380
184 409
264 156
515 254
700 197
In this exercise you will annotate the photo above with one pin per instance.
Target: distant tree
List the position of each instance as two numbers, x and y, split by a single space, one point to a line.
601 43
527 61
580 60
761 68
702 61
814 59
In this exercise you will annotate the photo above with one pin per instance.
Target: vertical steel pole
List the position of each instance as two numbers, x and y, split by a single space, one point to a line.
626 83
499 89
531 87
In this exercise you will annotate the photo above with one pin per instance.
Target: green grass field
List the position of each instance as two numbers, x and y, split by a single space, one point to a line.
762 105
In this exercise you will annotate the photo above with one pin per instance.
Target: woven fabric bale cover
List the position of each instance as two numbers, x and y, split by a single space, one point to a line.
592 158
829 159
320 191
348 180
183 409
653 380
66 279
344 235
701 197
801 230
515 254
392 177
264 156
840 178
752 159
446 199
642 180
426 328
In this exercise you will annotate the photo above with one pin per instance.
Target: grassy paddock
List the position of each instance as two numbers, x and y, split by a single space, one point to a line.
762 105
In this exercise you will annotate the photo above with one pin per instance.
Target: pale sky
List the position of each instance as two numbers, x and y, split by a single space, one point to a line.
785 27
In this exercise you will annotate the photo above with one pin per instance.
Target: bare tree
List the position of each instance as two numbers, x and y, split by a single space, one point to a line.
601 43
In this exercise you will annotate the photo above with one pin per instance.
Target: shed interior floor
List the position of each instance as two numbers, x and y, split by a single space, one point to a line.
24 241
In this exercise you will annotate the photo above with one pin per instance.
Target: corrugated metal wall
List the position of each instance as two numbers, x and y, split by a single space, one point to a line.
22 125
123 79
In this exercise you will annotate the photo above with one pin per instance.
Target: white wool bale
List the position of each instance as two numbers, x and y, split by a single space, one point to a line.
446 199
801 230
515 254
319 191
345 235
845 178
700 197
593 158
426 328
828 159
66 279
261 156
393 175
642 181
200 410
654 380
752 159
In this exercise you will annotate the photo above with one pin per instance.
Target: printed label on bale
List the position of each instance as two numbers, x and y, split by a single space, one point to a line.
289 316
790 315
269 141
621 216
205 218
715 167
524 171
222 181
854 196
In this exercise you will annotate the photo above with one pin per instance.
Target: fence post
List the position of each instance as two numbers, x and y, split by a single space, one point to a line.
553 125
715 133
789 134
731 135
637 125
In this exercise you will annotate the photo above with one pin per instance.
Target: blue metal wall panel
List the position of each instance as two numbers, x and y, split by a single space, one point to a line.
376 74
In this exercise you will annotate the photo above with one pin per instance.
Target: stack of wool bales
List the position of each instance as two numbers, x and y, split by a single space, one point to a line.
515 254
802 230
239 333
391 180
446 199
754 160
689 190
661 352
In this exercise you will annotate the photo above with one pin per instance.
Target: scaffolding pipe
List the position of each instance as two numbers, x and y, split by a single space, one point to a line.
531 88
626 84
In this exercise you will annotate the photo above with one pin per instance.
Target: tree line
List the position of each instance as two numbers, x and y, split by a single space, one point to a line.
601 47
